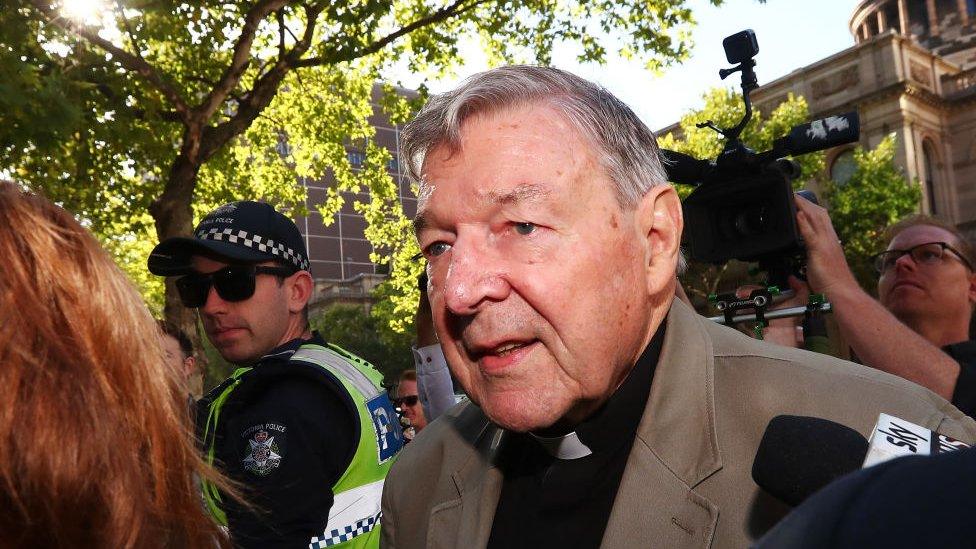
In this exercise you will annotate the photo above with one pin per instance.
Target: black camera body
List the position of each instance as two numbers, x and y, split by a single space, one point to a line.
747 218
743 204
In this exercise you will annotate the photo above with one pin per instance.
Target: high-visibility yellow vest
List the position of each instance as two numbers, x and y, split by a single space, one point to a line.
354 519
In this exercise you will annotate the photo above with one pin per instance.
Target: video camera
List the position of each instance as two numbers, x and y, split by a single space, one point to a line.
743 206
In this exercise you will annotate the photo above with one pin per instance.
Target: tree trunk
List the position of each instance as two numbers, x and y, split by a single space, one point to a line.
173 216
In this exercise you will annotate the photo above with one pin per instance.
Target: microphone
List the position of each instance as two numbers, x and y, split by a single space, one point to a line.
799 455
820 134
685 169
893 437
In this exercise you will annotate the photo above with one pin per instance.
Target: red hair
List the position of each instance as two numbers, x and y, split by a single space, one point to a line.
95 445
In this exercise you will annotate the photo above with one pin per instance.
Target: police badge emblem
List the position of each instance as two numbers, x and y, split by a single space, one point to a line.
262 455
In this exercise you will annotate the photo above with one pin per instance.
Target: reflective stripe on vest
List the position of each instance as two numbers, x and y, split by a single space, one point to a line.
354 519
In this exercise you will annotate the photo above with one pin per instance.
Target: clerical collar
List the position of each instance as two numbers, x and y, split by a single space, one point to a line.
616 422
568 446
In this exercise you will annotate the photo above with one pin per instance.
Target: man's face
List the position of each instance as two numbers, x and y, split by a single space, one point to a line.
244 331
542 288
414 412
942 293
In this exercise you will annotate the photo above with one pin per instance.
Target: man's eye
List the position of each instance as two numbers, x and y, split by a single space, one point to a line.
525 229
437 248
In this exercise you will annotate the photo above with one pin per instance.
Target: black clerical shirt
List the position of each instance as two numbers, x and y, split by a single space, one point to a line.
550 502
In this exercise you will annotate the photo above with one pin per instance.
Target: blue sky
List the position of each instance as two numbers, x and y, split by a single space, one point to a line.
791 34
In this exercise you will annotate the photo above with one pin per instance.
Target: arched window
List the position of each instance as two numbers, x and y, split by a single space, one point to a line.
928 170
843 167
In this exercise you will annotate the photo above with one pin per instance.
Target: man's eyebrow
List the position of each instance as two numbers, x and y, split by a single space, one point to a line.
526 192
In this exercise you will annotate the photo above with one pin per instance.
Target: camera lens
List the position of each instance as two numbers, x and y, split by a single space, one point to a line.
750 222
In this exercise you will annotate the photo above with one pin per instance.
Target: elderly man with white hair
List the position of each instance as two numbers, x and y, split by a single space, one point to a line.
603 412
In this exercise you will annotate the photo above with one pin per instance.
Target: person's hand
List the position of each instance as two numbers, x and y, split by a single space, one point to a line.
827 269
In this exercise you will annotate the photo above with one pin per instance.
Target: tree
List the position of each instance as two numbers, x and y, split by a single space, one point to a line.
876 195
171 107
725 108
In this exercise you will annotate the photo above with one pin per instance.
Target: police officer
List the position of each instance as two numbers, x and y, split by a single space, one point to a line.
303 425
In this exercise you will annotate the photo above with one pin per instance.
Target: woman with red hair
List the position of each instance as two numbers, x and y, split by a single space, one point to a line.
95 446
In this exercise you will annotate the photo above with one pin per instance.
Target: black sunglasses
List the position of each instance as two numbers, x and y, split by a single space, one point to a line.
233 283
410 400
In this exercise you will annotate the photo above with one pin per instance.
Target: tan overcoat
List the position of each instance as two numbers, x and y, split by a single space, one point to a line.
687 481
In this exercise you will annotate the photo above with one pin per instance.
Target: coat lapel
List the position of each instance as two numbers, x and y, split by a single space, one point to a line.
467 520
675 449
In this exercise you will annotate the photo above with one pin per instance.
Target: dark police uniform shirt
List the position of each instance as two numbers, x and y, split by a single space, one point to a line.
550 502
964 395
287 437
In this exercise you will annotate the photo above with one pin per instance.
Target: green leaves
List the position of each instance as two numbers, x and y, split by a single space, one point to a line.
185 104
352 328
876 195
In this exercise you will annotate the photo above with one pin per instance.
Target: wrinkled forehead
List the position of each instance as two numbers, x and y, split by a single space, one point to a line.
922 234
511 115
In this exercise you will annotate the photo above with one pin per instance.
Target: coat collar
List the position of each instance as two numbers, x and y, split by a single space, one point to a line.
675 449
679 421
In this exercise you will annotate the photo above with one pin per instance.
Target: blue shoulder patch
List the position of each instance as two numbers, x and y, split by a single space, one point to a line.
389 436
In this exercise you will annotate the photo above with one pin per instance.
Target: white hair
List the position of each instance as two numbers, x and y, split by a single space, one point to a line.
625 146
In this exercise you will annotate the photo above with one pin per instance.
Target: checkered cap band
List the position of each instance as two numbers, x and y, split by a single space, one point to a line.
255 242
344 534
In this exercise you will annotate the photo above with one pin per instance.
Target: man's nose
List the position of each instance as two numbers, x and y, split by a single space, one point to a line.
214 303
475 276
906 261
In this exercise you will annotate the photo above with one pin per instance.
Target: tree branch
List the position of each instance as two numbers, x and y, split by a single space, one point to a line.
260 95
281 33
128 29
455 9
128 61
239 60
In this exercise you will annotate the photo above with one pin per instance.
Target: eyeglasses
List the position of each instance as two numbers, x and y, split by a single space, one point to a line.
929 253
409 400
233 283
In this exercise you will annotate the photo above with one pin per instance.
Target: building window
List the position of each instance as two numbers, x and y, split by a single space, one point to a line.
356 159
843 167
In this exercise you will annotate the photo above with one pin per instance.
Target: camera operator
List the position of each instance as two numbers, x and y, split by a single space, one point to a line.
919 330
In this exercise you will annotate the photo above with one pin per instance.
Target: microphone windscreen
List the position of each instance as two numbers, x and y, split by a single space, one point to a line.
822 134
799 455
682 168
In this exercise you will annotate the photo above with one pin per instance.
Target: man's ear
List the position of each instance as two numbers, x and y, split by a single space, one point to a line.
300 288
660 221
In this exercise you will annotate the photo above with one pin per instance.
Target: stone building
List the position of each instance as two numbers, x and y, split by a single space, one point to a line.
912 71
